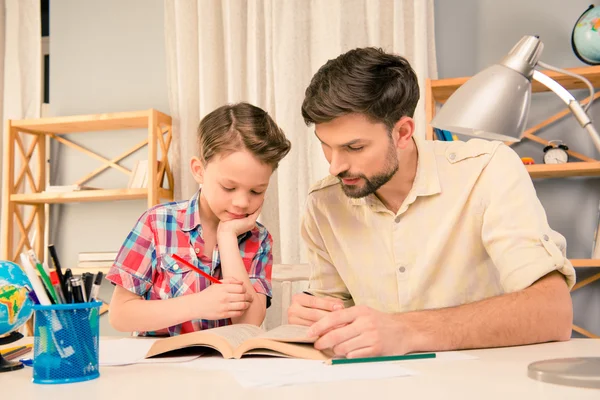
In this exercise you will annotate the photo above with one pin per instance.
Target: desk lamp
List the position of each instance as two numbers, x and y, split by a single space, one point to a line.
494 104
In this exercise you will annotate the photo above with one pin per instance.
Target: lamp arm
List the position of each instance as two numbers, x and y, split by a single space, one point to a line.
574 106
576 76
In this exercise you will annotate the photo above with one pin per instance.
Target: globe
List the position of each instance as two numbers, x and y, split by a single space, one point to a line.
15 305
585 38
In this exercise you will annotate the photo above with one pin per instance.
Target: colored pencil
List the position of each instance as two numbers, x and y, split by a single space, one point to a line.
337 361
204 274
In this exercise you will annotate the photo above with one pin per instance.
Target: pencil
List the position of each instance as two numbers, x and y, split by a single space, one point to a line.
337 361
204 274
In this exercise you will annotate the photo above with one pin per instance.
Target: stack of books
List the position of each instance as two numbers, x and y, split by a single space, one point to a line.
97 259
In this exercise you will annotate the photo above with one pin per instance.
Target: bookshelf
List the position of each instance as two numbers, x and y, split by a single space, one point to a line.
439 90
26 150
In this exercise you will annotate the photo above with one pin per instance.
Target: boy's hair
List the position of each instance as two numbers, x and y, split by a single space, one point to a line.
366 81
240 126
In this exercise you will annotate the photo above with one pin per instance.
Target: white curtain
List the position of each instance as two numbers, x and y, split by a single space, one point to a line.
265 52
20 64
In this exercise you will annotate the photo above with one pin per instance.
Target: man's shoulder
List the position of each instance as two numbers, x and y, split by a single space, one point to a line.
325 185
457 151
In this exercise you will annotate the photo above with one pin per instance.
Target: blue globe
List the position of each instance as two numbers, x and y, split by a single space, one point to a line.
585 38
15 306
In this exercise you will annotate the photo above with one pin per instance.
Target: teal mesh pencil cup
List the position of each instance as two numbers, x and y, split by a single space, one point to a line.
66 343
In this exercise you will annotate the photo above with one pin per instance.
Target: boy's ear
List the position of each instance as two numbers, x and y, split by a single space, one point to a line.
197 169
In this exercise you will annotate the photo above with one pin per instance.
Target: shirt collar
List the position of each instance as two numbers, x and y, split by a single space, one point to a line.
427 180
192 214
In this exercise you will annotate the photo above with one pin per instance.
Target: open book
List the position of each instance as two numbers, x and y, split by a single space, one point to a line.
235 341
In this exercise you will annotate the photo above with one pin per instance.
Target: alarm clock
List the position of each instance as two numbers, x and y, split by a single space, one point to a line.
556 153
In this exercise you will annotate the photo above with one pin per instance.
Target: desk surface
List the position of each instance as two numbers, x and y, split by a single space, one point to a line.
496 374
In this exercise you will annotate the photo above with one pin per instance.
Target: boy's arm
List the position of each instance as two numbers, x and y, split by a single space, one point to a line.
130 312
233 266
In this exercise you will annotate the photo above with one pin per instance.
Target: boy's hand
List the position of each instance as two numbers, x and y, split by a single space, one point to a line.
239 225
221 301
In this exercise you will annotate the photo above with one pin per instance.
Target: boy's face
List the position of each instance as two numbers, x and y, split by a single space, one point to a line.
233 185
361 153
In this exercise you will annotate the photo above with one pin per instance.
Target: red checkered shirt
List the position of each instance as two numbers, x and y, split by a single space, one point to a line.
145 267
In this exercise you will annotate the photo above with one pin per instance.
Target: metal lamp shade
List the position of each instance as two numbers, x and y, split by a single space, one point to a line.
494 105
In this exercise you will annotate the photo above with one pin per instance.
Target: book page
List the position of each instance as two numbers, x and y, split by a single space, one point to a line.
289 334
223 339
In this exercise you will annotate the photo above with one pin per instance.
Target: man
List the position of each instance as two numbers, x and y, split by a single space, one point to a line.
438 245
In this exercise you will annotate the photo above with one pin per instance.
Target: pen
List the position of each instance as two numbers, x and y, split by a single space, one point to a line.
337 361
56 286
36 283
96 286
61 278
68 292
88 281
78 290
47 283
204 274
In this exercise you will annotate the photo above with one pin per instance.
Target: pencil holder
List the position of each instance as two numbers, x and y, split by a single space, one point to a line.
66 343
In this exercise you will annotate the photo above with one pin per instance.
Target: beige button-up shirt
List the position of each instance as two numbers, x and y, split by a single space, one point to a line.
470 228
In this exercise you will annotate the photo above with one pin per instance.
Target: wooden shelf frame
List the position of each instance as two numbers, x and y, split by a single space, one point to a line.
24 197
438 91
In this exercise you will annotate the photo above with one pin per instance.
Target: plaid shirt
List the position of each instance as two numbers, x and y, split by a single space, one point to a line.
145 267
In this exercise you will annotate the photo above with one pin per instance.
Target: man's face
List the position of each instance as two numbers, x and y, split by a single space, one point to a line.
360 153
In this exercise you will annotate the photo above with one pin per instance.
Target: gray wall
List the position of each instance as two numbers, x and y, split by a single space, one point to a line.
106 56
471 35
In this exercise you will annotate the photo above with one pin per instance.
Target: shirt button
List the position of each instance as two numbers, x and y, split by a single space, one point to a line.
452 156
197 250
397 219
401 269
546 238
175 267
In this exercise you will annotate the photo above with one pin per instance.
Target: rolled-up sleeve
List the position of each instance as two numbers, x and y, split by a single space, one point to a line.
136 260
515 230
261 267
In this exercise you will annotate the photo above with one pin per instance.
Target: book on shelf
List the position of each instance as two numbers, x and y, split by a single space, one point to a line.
139 174
97 256
95 264
68 188
235 341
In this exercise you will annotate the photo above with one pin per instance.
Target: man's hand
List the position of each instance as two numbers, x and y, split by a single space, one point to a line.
306 309
221 301
362 332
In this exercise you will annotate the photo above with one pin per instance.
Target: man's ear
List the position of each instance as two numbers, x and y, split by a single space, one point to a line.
403 131
197 168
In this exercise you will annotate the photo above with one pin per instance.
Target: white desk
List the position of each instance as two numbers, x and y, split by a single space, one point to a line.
496 374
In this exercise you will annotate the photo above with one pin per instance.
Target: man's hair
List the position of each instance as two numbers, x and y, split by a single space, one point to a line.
365 81
240 126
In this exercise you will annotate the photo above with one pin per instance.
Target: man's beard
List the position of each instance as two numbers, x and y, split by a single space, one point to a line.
372 184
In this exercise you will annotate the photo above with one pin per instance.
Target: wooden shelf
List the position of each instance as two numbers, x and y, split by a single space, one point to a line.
90 123
87 196
564 170
443 88
585 262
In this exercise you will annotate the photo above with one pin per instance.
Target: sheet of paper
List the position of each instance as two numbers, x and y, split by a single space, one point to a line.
271 372
320 373
123 351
